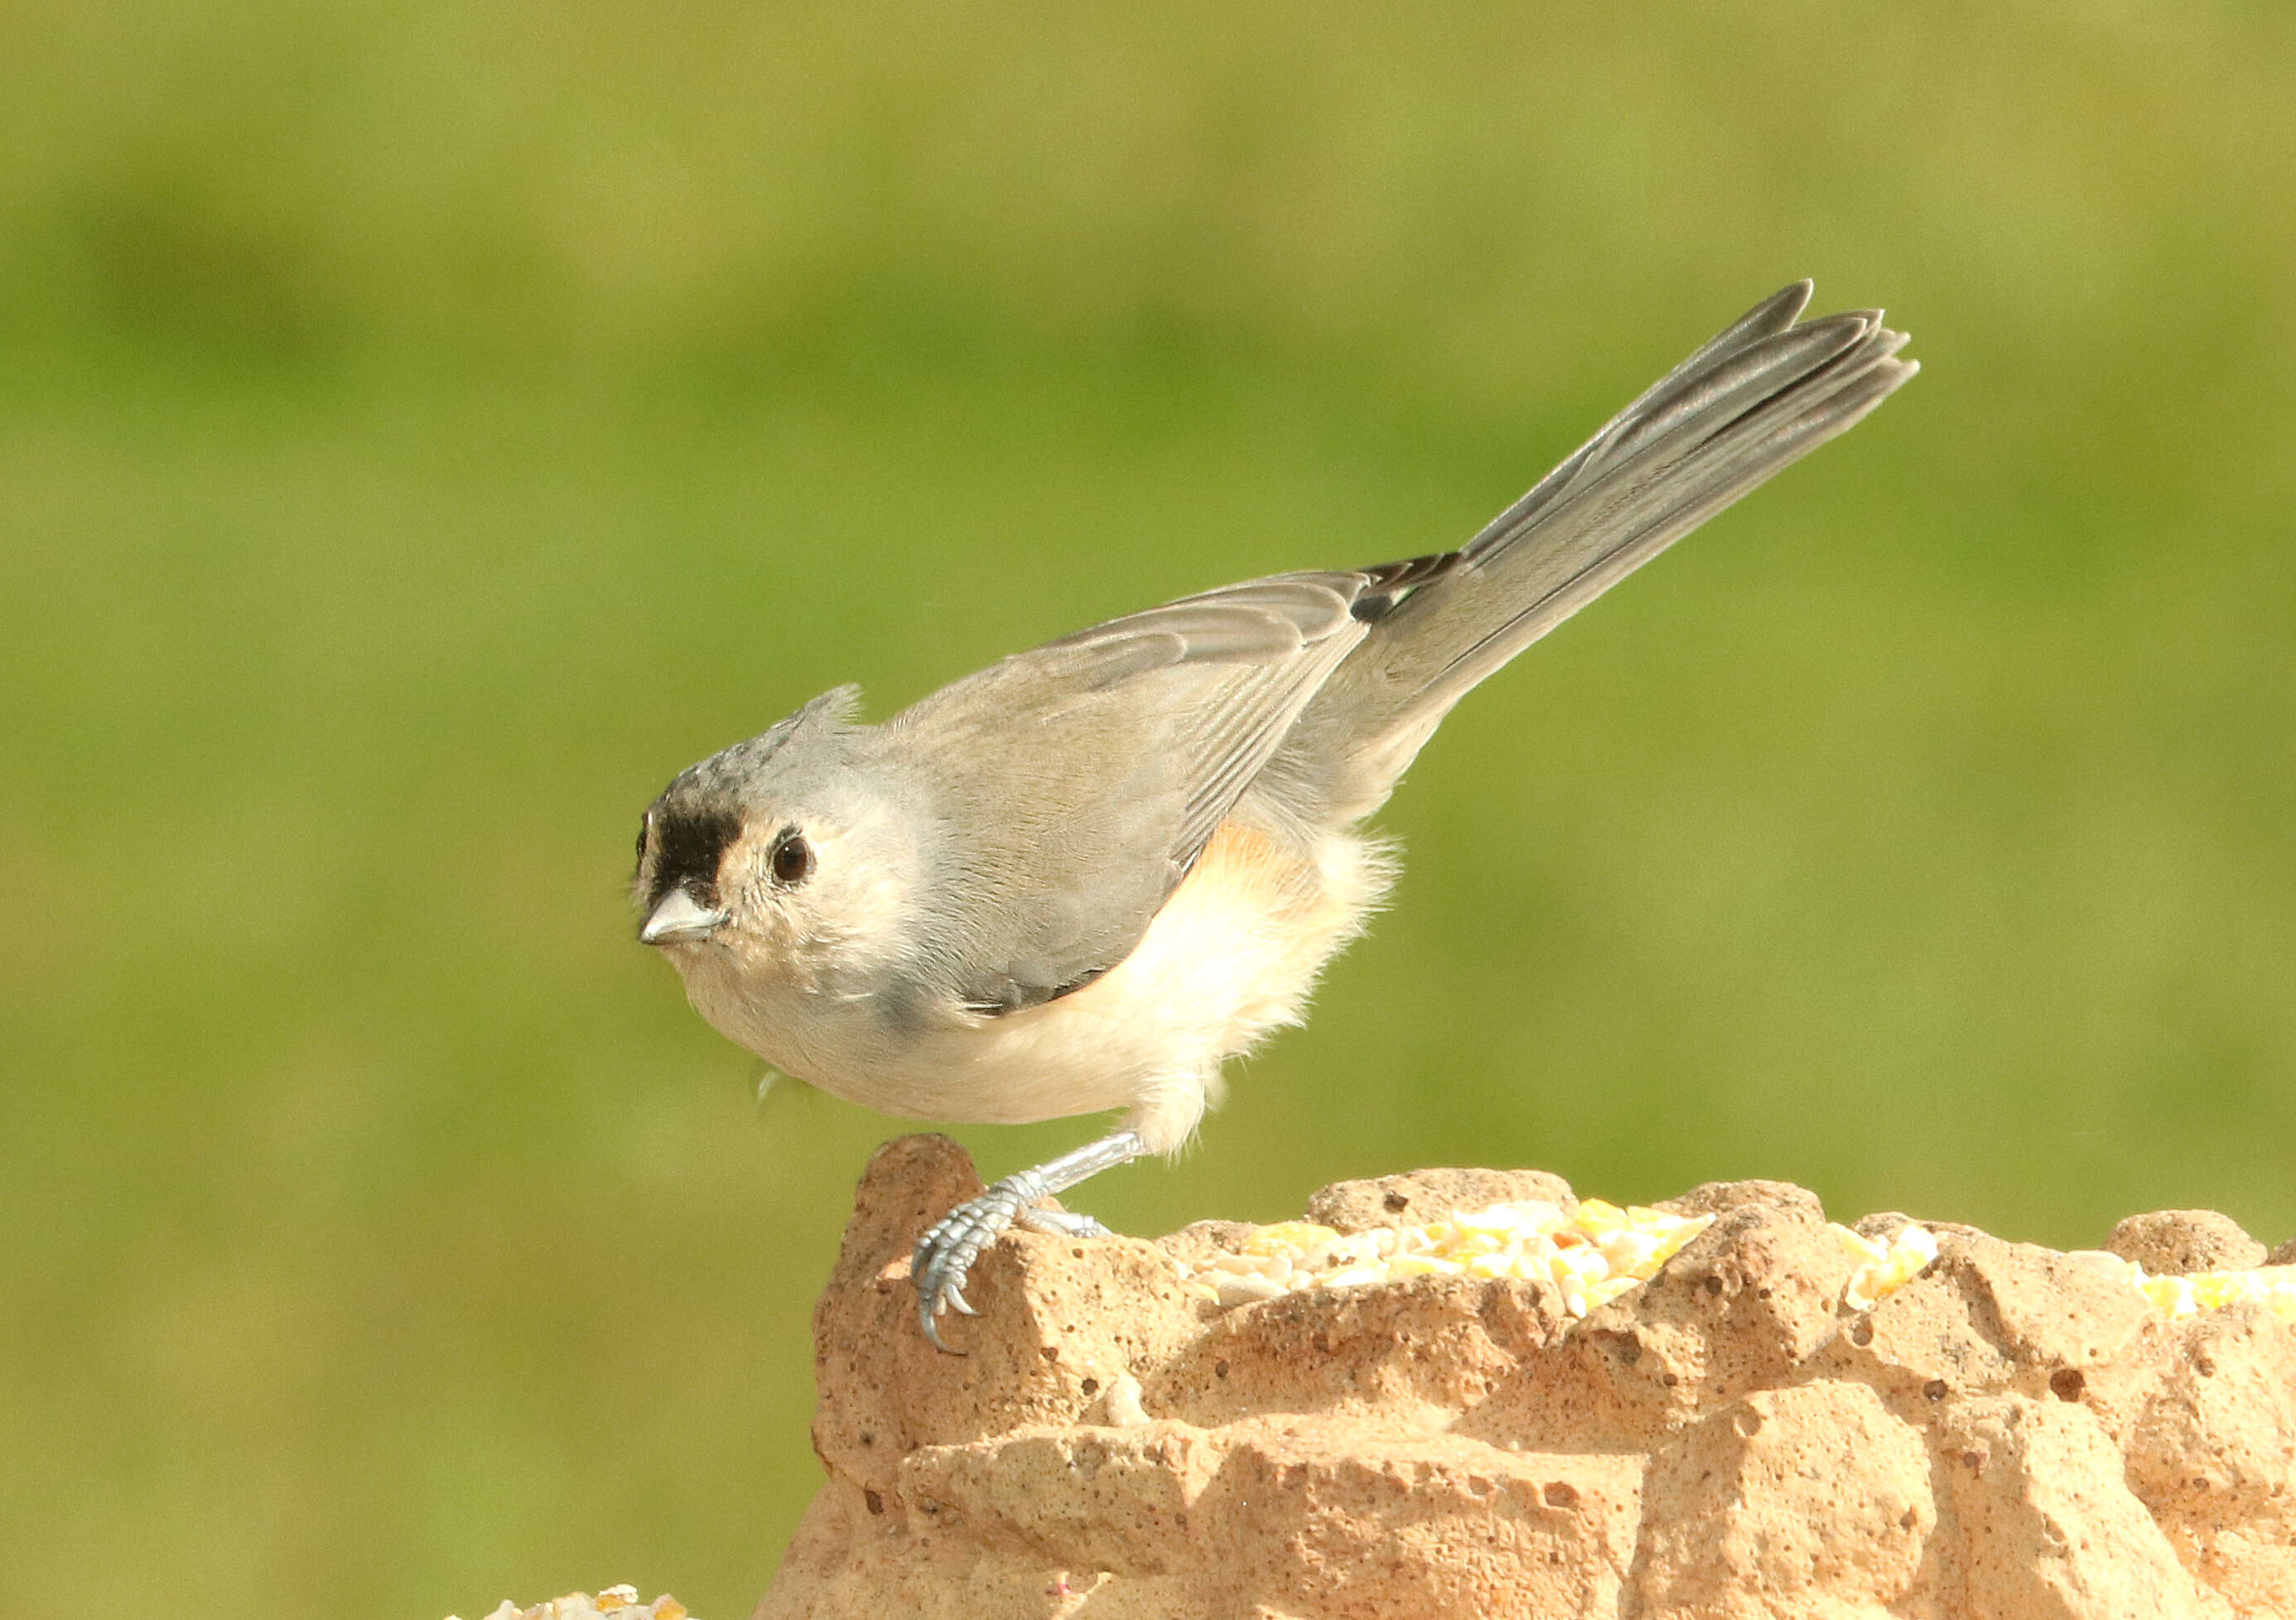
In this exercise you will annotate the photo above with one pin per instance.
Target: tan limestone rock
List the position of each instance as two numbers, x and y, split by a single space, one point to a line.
2179 1241
1712 1198
1990 1316
1429 1195
1742 1305
2008 1432
1423 1347
2047 1528
1060 1320
2214 1456
1809 1500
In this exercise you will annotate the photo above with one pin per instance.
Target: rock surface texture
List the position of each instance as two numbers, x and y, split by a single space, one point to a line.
2011 1434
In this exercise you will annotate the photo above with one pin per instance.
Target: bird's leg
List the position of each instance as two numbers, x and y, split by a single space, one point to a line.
944 1255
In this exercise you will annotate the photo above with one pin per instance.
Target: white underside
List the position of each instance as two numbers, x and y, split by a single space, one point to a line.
1233 954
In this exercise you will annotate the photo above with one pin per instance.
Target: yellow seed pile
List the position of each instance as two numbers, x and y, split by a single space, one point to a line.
1881 1267
1590 1254
1595 1253
2273 1287
614 1603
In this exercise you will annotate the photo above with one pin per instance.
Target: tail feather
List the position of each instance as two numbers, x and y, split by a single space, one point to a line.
1757 398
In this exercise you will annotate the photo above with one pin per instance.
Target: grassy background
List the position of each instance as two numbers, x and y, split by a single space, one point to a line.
424 428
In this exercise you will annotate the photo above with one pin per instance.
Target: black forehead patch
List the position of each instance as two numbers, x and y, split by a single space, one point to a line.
690 844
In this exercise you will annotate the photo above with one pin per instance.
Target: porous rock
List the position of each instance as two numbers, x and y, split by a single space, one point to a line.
1430 1195
1787 1501
2048 1530
1712 1198
2180 1242
1744 1304
2013 1433
2213 1456
1991 1317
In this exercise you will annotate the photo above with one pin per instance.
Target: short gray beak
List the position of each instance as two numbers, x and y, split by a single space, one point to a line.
678 919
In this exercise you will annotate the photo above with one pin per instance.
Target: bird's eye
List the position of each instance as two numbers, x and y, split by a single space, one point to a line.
793 858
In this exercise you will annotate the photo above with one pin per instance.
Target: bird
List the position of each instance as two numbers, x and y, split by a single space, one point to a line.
1080 880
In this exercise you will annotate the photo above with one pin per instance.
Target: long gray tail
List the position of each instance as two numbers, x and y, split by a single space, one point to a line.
1758 397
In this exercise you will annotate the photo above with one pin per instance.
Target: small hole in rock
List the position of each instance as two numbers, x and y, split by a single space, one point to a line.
1560 1494
1091 1386
2066 1384
1861 1331
876 1502
1935 1389
1714 1285
1219 1369
1396 1202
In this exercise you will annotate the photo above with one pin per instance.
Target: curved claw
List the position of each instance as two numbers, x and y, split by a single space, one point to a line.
931 1303
943 1261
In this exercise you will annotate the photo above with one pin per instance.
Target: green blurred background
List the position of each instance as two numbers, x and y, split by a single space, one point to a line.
424 428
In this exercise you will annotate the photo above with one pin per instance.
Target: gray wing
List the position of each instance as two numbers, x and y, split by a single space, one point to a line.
1760 397
1073 785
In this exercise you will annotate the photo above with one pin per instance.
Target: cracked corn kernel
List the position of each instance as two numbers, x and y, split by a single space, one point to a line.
1879 1269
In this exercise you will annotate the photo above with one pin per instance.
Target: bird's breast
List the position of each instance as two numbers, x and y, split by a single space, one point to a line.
1230 956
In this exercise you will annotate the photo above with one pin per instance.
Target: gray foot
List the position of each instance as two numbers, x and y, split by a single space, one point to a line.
944 1255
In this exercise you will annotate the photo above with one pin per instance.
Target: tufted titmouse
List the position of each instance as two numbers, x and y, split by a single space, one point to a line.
1082 878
